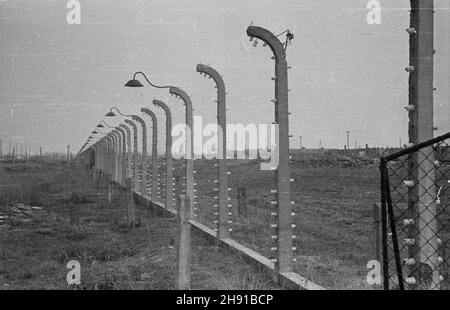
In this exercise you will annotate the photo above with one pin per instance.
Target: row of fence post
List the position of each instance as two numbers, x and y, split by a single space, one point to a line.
112 155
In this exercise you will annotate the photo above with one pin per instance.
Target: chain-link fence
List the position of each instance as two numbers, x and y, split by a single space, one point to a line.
415 206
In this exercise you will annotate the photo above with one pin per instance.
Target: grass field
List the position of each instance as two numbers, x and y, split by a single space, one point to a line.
334 223
333 228
77 224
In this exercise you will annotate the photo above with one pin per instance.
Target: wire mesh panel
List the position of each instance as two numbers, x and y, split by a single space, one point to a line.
415 190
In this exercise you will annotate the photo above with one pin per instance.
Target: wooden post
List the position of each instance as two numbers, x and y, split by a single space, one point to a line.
183 244
421 196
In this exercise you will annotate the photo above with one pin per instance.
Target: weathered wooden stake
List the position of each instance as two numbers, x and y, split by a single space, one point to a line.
183 244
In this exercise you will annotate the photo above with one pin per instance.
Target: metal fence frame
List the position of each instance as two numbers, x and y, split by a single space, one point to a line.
412 227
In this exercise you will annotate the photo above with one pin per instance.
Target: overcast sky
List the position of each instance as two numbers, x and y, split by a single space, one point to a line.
58 80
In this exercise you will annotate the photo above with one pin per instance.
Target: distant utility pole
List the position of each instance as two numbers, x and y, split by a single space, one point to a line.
1 148
301 145
348 139
9 148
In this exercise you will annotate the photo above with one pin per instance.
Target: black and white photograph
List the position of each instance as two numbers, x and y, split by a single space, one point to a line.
224 150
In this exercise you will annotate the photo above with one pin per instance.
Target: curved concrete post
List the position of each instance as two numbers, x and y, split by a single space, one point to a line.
123 161
95 161
97 155
126 132
169 165
154 193
106 161
135 152
94 157
116 154
178 93
108 167
128 147
103 157
112 156
98 164
100 156
224 210
144 190
284 213
108 155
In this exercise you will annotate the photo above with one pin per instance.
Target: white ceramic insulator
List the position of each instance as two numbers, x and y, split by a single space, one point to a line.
408 183
410 261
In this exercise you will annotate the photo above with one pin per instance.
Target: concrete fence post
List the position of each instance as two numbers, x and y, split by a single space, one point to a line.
169 165
183 244
224 207
178 93
154 187
124 157
135 152
283 213
421 197
129 178
119 154
376 231
144 191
